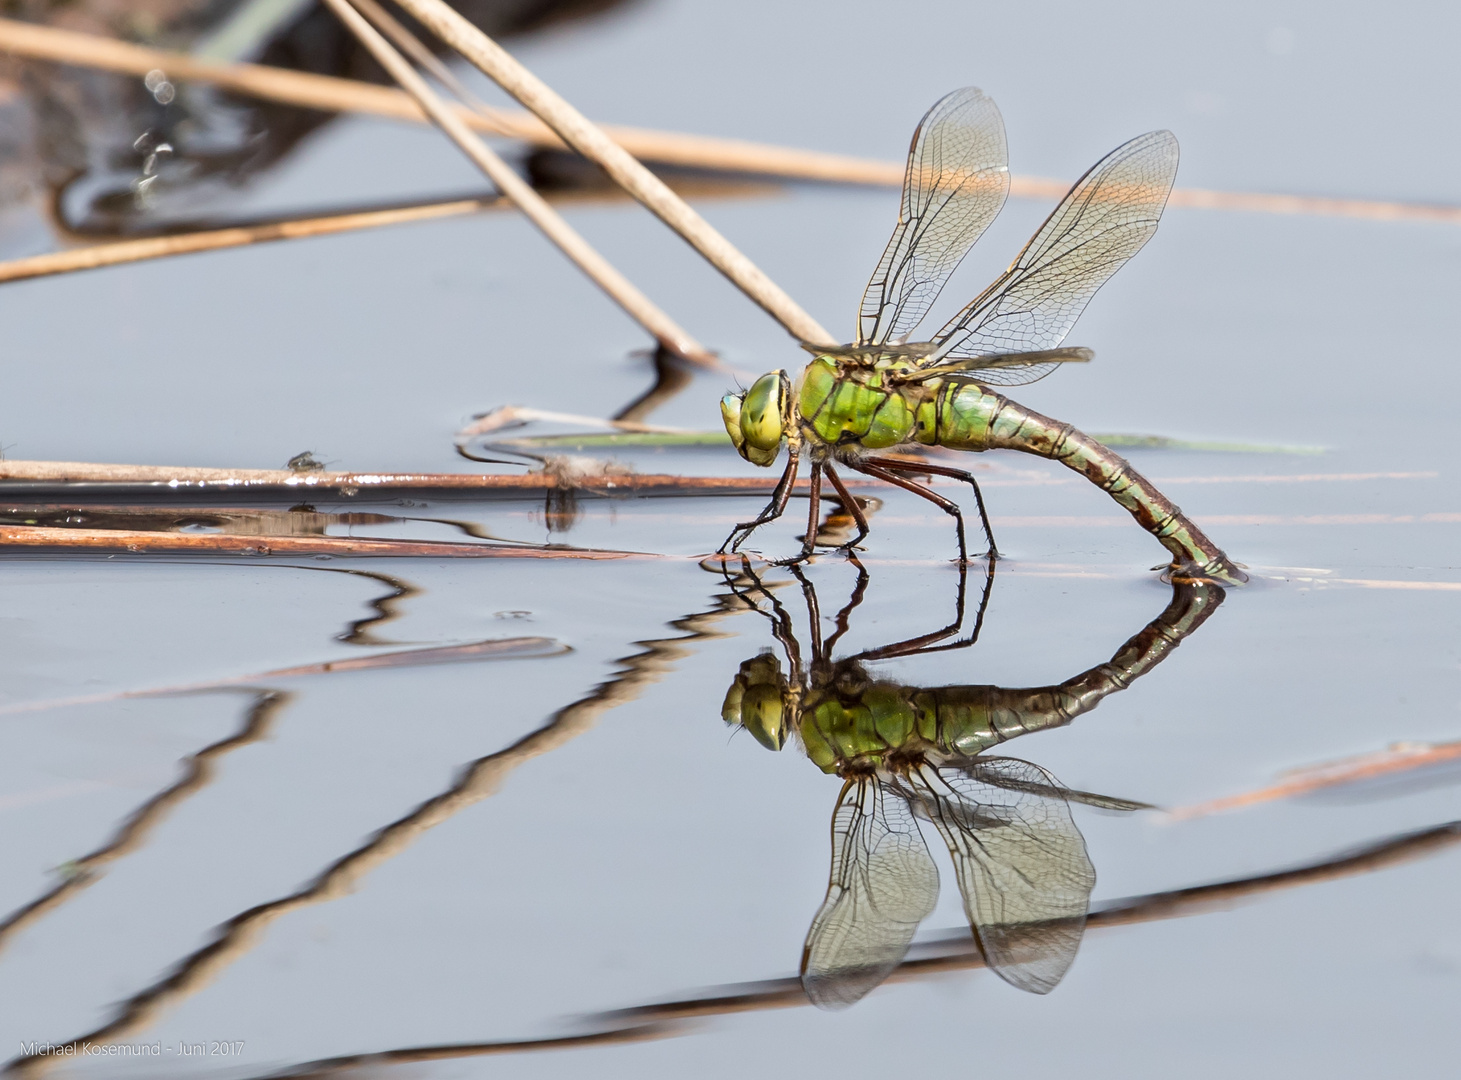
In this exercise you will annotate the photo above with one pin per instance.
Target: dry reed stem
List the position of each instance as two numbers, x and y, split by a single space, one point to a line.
35 537
330 94
192 480
114 253
581 134
158 247
599 270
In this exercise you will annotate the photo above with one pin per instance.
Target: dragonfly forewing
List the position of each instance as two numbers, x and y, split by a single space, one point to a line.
956 183
883 884
1021 863
1102 222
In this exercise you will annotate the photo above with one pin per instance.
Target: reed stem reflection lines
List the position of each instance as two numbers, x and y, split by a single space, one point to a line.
476 781
199 768
956 952
198 771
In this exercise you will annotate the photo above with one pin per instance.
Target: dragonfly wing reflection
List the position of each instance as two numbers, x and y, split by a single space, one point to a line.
883 884
1021 863
1104 220
956 183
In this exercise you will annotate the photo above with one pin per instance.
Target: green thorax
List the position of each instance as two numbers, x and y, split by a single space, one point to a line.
863 402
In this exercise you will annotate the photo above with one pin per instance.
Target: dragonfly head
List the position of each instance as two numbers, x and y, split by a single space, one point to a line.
756 701
759 418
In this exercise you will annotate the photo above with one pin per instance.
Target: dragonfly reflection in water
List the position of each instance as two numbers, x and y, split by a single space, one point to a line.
883 392
909 752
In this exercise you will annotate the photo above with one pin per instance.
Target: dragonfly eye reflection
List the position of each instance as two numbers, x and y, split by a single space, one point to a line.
911 756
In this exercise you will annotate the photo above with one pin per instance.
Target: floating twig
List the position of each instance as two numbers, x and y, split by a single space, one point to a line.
30 478
42 538
639 307
578 132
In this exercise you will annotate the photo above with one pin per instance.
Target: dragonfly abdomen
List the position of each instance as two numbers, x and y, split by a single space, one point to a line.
969 417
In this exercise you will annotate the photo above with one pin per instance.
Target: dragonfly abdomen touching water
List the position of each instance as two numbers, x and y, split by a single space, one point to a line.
970 417
872 411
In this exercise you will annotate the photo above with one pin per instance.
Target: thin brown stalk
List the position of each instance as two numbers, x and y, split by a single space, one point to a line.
599 270
476 782
578 132
28 477
330 94
139 249
159 247
42 538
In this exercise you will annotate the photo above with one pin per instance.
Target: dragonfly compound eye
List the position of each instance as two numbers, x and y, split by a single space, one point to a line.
756 702
756 419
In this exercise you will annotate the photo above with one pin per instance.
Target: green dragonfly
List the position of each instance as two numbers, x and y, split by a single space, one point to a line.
882 392
909 752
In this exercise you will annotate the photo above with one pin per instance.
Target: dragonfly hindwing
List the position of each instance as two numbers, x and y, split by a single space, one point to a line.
1020 861
1105 219
883 884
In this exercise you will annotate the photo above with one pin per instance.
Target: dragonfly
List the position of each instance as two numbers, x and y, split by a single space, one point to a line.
908 754
882 391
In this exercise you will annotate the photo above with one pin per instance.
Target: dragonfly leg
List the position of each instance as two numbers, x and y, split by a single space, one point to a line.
956 474
852 507
869 466
774 509
814 516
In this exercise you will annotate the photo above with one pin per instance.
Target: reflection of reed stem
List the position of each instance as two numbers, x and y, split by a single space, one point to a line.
668 1019
476 782
491 649
197 772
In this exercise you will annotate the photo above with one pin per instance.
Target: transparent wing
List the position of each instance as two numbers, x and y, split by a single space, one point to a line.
1104 220
883 884
1020 860
975 368
956 183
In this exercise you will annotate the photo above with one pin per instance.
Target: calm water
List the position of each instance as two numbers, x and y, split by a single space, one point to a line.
617 846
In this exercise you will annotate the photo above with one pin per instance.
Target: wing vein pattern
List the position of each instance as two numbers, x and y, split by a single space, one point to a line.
1102 222
956 183
882 885
1020 861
